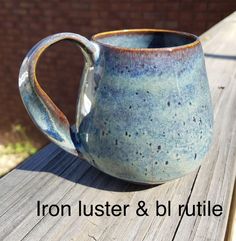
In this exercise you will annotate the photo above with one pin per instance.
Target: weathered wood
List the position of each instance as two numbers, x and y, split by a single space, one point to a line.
216 177
53 176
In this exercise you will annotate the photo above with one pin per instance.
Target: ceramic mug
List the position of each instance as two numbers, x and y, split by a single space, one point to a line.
144 111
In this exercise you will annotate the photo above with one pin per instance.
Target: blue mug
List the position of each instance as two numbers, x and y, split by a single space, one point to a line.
144 112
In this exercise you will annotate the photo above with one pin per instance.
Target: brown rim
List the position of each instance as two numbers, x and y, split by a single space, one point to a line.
98 36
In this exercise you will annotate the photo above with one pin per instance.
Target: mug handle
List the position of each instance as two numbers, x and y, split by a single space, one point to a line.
45 114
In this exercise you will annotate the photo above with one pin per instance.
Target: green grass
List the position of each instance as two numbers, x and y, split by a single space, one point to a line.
20 143
19 147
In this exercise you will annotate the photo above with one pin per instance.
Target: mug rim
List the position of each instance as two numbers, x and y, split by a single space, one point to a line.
195 38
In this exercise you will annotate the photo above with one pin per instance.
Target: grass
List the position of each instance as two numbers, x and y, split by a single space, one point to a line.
14 152
19 147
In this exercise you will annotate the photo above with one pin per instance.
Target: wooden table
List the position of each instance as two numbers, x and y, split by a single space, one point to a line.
55 177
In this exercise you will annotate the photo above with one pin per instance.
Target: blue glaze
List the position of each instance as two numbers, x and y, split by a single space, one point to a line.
45 114
144 112
151 117
149 39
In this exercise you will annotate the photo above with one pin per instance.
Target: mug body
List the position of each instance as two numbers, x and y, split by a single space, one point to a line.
144 110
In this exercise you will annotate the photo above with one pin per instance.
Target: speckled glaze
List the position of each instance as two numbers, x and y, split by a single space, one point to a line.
144 112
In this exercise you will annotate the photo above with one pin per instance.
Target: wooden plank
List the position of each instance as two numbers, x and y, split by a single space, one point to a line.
216 177
21 218
53 176
231 225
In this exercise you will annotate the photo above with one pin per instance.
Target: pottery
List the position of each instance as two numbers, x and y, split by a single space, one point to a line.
144 112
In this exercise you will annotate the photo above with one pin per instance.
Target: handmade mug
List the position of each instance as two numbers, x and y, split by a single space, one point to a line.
144 112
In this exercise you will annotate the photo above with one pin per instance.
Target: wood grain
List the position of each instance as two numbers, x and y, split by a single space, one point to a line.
53 176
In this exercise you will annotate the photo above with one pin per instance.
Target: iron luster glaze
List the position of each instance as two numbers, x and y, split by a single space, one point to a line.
144 114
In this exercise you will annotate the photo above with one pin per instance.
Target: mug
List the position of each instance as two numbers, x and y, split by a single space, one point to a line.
144 111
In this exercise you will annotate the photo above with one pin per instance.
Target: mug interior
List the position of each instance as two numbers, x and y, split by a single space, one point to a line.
145 39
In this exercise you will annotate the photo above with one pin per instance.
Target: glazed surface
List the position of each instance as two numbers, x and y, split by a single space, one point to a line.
145 116
146 39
